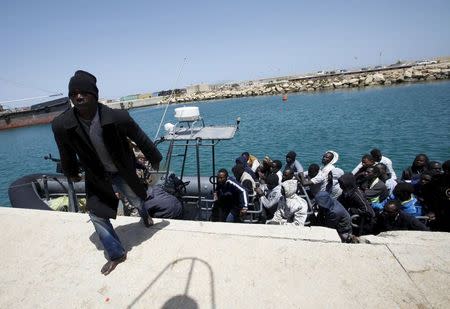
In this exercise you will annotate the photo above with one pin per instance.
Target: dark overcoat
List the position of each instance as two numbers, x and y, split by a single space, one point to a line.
73 142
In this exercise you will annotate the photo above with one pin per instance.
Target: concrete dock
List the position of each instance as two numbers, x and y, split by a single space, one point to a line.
53 260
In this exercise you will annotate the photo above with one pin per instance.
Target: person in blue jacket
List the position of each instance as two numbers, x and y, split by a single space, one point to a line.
409 204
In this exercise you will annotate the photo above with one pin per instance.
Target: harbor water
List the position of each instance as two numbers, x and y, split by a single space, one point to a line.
402 121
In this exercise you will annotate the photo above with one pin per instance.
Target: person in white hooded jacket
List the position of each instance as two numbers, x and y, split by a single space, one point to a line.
292 209
332 173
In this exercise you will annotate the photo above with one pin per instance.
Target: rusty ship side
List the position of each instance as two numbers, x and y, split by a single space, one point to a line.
41 113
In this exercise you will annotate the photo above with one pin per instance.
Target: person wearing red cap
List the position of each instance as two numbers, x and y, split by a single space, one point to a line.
95 137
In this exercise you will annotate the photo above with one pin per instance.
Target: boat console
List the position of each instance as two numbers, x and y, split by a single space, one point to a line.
191 134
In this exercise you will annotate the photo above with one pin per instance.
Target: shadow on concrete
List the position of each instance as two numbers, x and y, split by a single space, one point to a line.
131 235
181 300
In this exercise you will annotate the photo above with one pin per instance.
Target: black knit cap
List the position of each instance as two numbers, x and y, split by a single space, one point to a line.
84 82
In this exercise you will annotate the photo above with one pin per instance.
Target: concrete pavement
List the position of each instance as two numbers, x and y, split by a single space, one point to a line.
53 260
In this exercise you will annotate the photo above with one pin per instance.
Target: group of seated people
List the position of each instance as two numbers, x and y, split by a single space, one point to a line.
369 200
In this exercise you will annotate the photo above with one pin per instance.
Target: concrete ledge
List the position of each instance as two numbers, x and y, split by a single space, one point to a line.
53 259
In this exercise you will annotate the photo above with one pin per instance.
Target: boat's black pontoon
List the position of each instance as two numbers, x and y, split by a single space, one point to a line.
36 191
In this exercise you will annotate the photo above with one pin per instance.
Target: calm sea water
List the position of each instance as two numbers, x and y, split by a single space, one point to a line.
402 121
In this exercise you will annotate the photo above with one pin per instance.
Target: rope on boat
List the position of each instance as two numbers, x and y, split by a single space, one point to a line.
170 97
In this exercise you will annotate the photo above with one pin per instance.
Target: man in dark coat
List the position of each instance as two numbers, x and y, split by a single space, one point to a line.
373 187
95 137
162 204
333 215
437 198
393 219
356 203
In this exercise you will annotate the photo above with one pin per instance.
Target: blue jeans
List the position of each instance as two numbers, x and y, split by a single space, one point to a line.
108 237
119 185
103 226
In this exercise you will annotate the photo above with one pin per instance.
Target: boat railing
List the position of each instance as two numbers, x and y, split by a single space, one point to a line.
301 191
73 200
191 126
255 210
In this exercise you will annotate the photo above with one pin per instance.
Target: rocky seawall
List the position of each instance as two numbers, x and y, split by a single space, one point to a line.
360 79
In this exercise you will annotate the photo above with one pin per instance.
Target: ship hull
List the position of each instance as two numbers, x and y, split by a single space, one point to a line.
39 114
27 120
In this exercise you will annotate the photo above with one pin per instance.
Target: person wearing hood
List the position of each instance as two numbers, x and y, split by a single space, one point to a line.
292 209
356 203
332 173
292 163
252 161
334 216
243 160
244 179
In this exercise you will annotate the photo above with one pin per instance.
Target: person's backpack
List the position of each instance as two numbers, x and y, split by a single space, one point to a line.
175 186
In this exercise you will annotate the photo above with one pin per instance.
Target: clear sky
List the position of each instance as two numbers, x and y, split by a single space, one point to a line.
139 46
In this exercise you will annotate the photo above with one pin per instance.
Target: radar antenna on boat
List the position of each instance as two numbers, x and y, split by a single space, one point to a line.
170 97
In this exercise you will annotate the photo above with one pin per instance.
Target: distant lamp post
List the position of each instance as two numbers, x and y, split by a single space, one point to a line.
356 62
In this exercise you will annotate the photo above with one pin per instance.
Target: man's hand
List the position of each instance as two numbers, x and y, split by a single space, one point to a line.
259 191
431 216
243 211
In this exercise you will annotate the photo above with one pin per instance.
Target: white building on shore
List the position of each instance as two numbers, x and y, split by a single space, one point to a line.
194 89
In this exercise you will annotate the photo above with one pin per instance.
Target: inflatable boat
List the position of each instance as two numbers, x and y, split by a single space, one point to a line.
39 191
44 192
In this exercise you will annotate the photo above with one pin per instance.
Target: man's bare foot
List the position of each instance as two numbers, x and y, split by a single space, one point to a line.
148 221
111 265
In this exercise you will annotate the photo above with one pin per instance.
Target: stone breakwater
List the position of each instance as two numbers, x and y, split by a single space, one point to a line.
360 79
